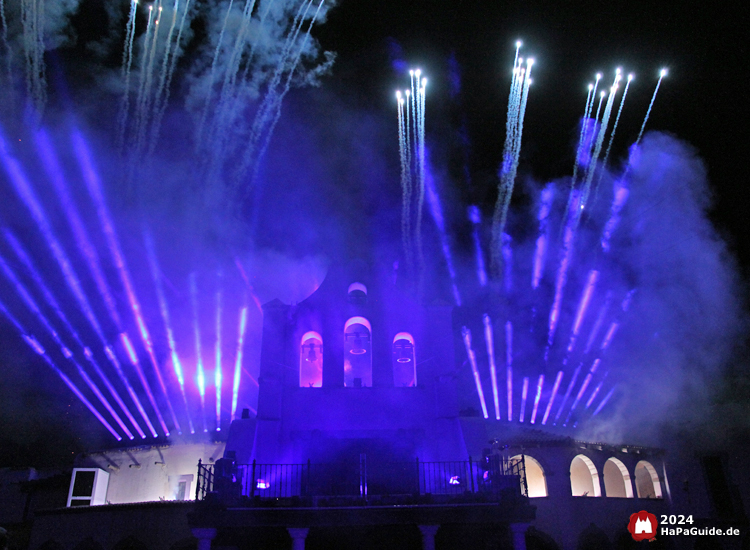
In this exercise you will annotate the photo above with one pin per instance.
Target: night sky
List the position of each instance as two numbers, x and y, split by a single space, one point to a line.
466 48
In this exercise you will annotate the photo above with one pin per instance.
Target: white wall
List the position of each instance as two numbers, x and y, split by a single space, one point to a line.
144 474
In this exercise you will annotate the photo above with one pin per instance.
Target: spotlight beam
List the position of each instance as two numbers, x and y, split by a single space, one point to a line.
38 349
217 371
33 306
200 374
475 371
488 338
164 310
91 178
509 366
238 362
88 251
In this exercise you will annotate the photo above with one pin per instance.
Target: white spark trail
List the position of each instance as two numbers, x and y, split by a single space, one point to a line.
280 98
593 163
662 74
211 78
127 62
6 44
420 178
144 59
579 151
612 136
145 106
405 183
32 19
263 119
228 92
617 121
170 72
511 152
156 115
584 124
232 101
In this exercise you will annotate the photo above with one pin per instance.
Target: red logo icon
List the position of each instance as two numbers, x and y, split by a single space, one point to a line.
642 526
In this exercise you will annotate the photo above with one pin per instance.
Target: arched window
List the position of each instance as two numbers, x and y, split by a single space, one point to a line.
617 479
404 364
357 353
311 360
647 481
536 483
357 293
584 479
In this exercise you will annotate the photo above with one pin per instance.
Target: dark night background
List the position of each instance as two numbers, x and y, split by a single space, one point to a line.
466 49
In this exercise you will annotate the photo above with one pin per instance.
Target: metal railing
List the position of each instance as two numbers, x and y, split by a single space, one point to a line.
205 480
491 476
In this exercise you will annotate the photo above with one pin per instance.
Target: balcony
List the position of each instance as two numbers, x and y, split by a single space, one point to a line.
362 483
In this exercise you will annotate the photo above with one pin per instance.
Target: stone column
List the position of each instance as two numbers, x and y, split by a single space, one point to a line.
428 536
204 535
518 534
298 534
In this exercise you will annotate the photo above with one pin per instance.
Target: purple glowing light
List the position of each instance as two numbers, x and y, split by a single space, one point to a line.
595 392
610 334
539 256
493 369
598 323
90 383
436 210
238 362
509 366
507 262
524 395
605 400
475 216
26 193
131 392
31 341
52 301
562 277
585 300
586 382
555 389
32 305
476 219
200 374
141 376
94 186
620 198
82 398
540 253
568 391
595 365
129 348
217 370
55 175
466 333
537 397
164 310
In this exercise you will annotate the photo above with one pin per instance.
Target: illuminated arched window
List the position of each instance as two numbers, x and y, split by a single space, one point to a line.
311 360
617 479
647 481
357 353
584 479
357 293
404 364
536 483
